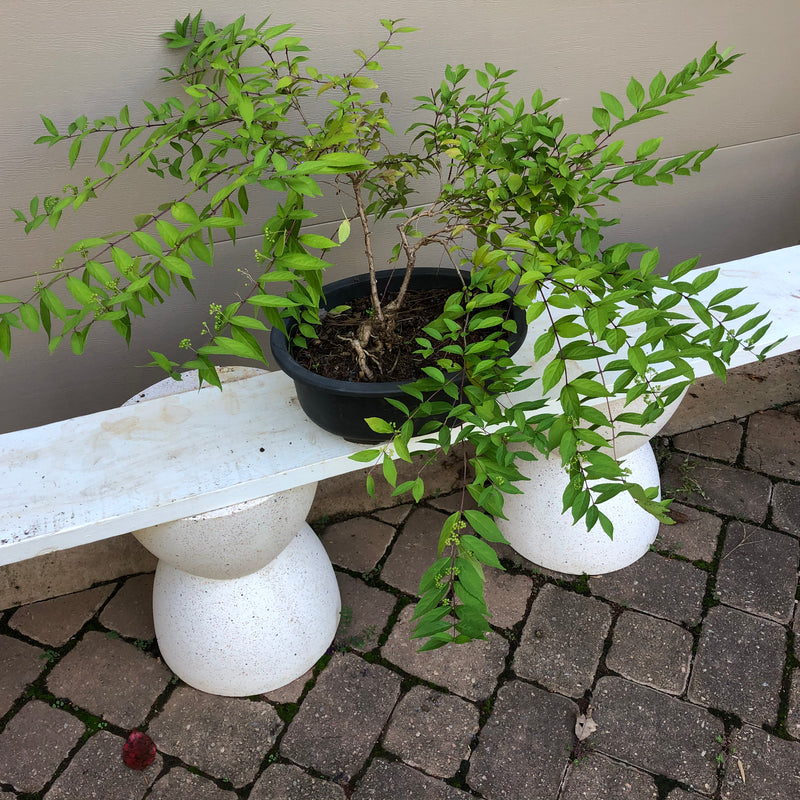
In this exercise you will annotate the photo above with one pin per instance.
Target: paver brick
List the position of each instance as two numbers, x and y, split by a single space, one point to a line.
227 737
385 781
525 745
287 782
470 670
786 507
35 741
721 441
597 778
342 716
773 442
432 731
651 651
709 484
739 665
506 597
657 733
130 611
180 784
110 678
54 622
97 772
656 585
291 692
562 641
453 502
365 612
414 550
394 516
771 767
344 494
758 571
747 389
694 534
20 664
358 543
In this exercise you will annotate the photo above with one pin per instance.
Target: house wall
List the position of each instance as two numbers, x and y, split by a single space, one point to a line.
67 57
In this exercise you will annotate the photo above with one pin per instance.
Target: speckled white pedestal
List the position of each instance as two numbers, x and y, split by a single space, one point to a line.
537 530
251 634
245 598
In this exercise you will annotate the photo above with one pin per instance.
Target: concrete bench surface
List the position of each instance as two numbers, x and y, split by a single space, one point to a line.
113 472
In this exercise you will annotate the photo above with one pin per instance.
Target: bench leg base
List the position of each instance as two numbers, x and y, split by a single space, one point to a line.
248 635
537 530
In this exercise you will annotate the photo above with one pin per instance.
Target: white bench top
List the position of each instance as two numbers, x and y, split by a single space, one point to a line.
116 471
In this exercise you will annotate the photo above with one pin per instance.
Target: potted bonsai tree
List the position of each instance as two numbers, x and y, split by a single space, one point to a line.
516 227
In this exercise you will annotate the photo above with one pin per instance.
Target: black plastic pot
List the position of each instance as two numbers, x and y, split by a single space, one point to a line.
340 407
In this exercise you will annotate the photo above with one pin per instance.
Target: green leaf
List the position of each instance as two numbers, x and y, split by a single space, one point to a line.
648 147
543 224
635 93
601 118
52 303
482 551
344 231
222 345
183 212
5 338
589 388
86 244
362 82
74 151
637 359
440 639
401 448
168 232
147 243
552 374
389 470
649 261
365 455
379 425
78 341
484 525
681 269
271 301
612 104
331 163
656 89
49 125
316 241
79 290
29 317
178 266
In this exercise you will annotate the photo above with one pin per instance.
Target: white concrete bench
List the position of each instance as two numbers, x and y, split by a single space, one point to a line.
122 470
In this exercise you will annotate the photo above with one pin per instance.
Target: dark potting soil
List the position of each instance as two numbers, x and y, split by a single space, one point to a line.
333 356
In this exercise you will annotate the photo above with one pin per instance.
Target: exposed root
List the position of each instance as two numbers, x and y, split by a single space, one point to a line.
365 372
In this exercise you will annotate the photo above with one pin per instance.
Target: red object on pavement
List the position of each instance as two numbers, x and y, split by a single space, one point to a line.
139 750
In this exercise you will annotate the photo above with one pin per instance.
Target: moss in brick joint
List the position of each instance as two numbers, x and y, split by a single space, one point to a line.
786 685
286 711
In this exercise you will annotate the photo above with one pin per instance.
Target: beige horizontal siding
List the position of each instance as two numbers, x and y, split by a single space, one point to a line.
63 58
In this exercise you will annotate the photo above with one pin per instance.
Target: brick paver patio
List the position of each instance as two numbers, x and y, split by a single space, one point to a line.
687 662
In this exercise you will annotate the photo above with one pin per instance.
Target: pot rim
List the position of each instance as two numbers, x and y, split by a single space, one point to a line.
279 345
